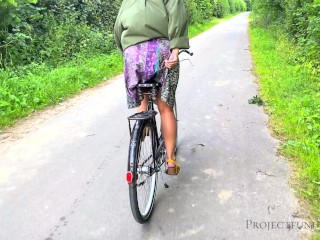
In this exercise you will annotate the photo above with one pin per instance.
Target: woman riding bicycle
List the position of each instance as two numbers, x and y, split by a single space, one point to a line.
149 34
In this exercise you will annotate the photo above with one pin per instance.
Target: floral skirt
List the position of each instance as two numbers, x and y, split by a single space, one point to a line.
145 61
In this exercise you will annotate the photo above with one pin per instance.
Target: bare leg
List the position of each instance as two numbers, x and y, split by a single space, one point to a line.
144 105
168 128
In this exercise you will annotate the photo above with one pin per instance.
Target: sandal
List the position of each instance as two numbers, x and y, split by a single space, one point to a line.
173 170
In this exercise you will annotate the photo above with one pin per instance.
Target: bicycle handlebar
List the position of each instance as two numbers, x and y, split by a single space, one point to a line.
186 51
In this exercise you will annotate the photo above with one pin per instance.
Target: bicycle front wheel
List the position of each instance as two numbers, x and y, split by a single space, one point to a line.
142 164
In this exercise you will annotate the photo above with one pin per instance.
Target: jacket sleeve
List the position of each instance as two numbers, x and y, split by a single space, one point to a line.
178 24
118 29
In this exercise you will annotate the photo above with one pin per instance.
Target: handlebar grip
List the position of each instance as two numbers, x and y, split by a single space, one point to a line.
186 51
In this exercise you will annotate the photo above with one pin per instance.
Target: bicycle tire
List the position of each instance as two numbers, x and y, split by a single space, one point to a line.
142 147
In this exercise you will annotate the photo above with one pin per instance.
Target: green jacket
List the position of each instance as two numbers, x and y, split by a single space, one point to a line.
142 20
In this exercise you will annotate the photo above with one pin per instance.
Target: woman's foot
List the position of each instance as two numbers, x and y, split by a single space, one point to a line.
173 168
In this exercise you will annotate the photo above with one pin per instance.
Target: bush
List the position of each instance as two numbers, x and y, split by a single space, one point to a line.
240 5
247 4
192 9
232 5
205 9
268 12
299 21
54 31
222 8
237 6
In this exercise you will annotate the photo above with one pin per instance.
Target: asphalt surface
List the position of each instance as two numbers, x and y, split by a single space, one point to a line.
66 179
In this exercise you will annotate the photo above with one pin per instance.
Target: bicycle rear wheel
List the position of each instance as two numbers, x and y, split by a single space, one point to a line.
142 190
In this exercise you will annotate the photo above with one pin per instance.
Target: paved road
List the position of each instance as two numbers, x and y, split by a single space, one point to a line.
66 180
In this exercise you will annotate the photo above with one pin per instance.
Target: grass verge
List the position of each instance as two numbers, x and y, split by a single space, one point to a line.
293 99
35 87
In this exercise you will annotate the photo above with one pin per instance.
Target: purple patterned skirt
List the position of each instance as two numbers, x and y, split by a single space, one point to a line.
145 61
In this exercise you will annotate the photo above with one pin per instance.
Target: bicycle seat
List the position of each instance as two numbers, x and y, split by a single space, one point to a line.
149 84
149 88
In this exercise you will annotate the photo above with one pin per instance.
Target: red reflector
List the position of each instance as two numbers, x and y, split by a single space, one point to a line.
129 177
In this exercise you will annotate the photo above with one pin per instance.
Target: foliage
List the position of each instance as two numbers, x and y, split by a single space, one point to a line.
222 8
232 6
54 31
248 4
192 9
299 20
205 8
238 5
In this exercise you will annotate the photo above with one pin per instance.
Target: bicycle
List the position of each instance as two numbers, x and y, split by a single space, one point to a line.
146 154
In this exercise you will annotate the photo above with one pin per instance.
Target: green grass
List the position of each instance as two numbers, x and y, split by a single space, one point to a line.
35 87
41 86
292 98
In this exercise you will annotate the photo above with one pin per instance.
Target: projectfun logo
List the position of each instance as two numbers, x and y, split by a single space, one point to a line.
273 225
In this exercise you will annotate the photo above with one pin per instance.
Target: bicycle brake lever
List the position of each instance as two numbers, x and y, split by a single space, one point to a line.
186 51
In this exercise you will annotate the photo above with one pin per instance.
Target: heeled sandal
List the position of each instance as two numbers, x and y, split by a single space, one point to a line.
173 170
